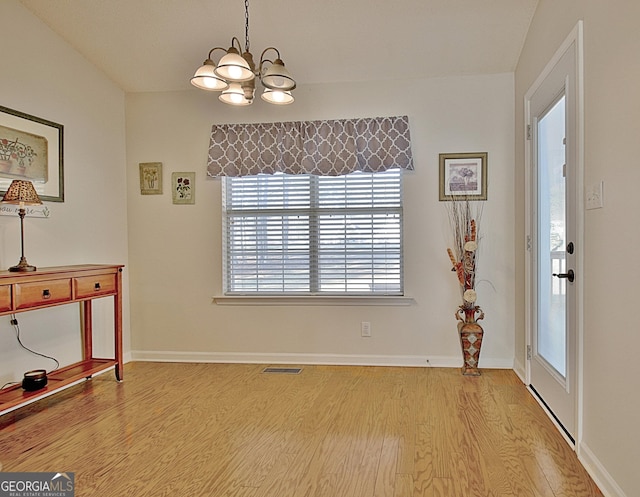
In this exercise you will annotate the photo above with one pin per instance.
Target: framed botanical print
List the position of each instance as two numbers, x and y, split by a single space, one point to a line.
151 178
31 148
183 188
463 175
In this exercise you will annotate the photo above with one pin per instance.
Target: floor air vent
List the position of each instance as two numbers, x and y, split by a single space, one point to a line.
282 370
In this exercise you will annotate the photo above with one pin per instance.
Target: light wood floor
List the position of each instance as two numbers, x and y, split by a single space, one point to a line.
230 430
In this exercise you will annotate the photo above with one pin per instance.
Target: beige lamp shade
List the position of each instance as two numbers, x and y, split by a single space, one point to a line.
205 78
233 68
21 192
276 77
234 95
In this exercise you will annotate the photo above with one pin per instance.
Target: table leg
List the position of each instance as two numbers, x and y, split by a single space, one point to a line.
117 318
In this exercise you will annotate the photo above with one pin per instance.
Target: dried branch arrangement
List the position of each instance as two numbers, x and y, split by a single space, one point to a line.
464 221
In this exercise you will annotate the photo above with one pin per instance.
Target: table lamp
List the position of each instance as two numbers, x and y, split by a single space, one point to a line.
23 193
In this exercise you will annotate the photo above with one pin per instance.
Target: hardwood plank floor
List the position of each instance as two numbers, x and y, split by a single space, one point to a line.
335 431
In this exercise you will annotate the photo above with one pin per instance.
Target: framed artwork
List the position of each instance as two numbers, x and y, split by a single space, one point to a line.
463 175
183 188
151 178
31 149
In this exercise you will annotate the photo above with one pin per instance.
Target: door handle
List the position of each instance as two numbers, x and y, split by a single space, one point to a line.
570 275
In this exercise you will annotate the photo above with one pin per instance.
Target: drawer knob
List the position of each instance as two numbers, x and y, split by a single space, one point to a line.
96 286
46 294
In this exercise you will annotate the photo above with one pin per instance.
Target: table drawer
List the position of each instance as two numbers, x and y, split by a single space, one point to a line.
5 298
93 286
42 293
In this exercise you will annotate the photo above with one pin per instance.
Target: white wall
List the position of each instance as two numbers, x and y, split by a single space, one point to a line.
610 445
174 253
175 250
42 76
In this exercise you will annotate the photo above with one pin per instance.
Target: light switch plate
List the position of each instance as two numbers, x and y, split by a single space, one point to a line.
594 198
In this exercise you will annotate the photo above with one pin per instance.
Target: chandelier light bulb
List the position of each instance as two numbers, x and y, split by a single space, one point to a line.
235 72
277 97
210 83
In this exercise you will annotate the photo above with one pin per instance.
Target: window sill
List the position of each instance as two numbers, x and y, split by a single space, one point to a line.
314 300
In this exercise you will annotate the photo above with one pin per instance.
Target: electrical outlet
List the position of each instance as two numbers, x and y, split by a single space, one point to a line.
365 328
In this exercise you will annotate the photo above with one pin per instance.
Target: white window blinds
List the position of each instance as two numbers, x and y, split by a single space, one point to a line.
313 235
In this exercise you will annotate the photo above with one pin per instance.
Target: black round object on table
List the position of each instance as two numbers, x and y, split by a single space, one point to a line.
34 380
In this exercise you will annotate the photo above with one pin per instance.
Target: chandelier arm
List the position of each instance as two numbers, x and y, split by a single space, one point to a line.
270 48
262 59
234 39
214 49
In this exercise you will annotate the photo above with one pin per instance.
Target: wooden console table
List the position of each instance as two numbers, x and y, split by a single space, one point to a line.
48 287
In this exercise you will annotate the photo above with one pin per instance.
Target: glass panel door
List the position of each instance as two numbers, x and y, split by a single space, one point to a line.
552 288
553 107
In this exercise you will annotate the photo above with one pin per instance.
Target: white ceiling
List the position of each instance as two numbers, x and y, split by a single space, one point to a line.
156 45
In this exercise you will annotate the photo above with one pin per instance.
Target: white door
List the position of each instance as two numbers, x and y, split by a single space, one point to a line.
554 238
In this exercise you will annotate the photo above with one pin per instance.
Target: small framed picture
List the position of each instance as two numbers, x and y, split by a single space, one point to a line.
183 188
151 178
463 175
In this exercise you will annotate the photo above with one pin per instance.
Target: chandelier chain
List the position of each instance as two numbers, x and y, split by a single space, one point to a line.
246 25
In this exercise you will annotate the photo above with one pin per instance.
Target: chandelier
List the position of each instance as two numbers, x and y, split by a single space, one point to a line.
235 73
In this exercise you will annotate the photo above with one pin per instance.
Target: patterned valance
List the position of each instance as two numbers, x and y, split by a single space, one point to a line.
323 148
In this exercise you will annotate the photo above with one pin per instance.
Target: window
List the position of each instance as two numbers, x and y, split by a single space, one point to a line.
313 235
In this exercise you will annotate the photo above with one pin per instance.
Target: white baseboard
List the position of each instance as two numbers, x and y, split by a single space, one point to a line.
520 370
322 359
600 475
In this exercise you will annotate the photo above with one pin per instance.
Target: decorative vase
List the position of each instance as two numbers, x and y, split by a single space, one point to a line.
5 166
470 333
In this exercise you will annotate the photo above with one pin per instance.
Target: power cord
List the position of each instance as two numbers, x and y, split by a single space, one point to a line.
14 322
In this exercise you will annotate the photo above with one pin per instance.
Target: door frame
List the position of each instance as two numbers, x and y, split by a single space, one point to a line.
573 41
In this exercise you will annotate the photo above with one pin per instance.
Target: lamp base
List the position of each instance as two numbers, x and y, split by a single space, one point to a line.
22 267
